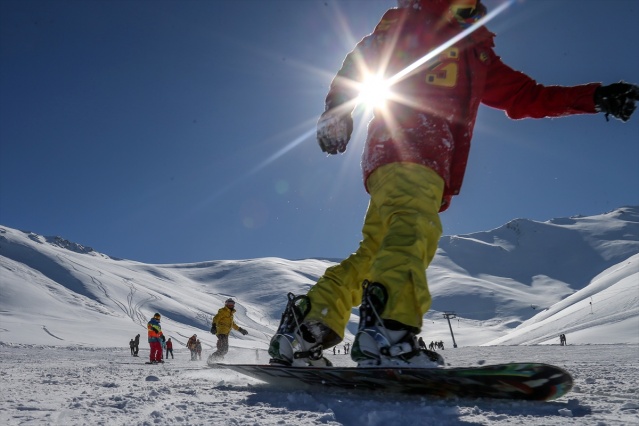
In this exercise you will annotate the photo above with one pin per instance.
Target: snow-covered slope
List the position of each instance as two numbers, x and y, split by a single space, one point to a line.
56 292
606 311
50 292
513 272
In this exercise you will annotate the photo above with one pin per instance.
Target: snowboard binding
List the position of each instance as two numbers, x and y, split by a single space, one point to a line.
298 343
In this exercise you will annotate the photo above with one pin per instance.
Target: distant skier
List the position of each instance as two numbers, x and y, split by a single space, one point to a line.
136 343
413 164
169 349
163 343
562 340
155 333
222 324
421 342
191 346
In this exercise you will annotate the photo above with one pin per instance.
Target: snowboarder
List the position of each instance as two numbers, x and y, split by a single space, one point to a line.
191 346
155 342
169 348
136 345
413 164
132 346
221 327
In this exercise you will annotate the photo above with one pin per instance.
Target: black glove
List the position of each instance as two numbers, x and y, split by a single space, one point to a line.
334 131
617 99
213 329
241 330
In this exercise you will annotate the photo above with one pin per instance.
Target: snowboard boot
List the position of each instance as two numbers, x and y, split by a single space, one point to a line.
298 342
387 343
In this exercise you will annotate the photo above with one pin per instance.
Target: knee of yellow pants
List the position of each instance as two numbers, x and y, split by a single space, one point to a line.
407 197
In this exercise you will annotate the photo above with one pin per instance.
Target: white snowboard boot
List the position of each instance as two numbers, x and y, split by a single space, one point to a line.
387 343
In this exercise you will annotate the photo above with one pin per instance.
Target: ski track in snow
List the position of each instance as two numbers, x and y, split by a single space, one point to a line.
50 334
106 386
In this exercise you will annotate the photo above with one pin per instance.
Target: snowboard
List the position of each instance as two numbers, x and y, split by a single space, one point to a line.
517 381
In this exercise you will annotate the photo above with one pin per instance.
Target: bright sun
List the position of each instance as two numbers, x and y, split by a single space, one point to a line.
374 91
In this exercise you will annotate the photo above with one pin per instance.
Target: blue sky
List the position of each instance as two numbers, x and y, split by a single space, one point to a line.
182 131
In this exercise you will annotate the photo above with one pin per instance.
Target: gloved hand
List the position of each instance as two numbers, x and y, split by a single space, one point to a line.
334 131
241 330
213 329
617 99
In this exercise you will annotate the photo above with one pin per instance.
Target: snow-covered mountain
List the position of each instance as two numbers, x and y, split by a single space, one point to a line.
522 283
522 270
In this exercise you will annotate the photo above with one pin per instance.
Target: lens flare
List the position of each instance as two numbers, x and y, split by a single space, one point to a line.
374 91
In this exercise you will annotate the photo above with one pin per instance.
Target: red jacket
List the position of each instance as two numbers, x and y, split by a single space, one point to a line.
433 123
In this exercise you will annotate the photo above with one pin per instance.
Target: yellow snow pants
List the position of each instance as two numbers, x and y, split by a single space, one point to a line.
400 236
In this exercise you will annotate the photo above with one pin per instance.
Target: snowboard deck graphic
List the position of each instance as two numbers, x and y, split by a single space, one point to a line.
521 381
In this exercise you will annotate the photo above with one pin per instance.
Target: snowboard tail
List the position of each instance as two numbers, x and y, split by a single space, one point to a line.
521 381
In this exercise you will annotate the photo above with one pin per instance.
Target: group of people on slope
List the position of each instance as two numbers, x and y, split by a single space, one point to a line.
221 327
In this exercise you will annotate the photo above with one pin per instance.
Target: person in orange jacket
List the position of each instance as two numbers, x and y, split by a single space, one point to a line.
413 163
155 334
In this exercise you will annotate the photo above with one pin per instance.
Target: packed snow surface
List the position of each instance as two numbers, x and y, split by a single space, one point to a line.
106 386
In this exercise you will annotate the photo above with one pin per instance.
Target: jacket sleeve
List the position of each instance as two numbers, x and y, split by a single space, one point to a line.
344 87
522 97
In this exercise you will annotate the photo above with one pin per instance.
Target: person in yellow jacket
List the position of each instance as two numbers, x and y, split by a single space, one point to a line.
222 325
